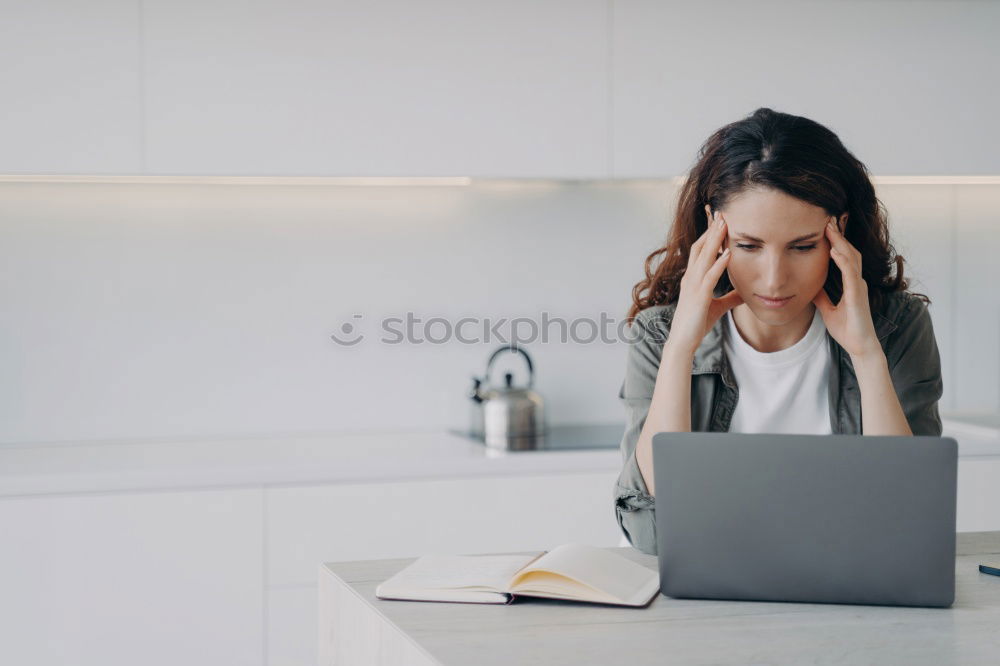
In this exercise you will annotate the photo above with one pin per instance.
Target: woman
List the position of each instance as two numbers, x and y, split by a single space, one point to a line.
782 315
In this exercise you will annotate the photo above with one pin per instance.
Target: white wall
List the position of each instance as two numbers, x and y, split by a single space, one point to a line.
199 310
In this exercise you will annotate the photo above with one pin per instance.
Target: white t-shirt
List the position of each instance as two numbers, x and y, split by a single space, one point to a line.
786 391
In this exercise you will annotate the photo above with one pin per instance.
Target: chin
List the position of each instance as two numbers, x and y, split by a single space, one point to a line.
778 316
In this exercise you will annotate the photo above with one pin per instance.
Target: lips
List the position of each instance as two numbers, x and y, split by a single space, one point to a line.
773 301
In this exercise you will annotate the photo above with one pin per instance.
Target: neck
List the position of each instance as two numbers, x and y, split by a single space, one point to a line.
767 337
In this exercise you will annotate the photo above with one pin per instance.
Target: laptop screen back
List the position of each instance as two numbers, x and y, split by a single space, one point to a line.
812 518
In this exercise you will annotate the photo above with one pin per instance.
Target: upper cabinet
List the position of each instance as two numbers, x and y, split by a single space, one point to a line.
909 87
521 89
71 85
488 89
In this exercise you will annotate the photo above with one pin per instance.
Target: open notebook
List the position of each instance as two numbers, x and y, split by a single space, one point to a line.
575 572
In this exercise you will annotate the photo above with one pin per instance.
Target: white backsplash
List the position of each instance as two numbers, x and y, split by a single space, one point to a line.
180 310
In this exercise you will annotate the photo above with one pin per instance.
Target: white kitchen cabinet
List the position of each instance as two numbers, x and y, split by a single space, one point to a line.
978 494
71 86
377 88
902 85
103 564
560 89
140 578
291 626
307 526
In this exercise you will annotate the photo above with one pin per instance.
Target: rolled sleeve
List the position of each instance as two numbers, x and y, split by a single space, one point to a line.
915 368
634 506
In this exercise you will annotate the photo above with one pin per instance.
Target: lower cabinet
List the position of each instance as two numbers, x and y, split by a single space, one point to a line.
219 577
132 578
292 626
307 526
978 494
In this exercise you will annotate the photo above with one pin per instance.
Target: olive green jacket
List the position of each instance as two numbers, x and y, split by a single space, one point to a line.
903 328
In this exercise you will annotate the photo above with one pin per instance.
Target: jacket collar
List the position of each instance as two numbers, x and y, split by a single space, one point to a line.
709 357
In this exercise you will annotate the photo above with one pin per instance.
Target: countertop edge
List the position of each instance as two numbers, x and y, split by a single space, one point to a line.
65 468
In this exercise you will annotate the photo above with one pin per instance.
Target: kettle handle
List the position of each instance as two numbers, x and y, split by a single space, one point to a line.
513 348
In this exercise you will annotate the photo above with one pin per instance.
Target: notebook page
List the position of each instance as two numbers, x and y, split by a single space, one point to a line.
443 572
599 568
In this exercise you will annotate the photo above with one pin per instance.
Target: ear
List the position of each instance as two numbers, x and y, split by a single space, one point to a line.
708 213
842 223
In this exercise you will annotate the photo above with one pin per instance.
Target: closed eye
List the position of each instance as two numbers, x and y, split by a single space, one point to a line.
800 248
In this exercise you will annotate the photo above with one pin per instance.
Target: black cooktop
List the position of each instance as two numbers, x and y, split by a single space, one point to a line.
566 437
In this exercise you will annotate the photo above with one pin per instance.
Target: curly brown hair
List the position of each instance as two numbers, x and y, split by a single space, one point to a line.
798 156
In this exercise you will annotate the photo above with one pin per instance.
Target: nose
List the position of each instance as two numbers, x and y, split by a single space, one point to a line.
775 273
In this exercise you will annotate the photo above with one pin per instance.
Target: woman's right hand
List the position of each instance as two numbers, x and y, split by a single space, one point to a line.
697 307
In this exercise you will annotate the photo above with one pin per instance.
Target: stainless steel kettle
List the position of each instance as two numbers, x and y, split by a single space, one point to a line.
508 417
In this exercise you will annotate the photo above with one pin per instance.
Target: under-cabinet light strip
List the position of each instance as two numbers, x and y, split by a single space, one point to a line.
235 180
430 181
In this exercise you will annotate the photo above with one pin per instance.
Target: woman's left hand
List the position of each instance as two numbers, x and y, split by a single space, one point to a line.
850 321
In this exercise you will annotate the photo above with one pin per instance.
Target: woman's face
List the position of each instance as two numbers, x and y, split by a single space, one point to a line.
779 250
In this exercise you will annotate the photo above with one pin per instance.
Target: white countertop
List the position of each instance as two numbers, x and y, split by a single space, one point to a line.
79 467
281 460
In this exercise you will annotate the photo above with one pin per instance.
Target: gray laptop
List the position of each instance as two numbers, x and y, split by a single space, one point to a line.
812 518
